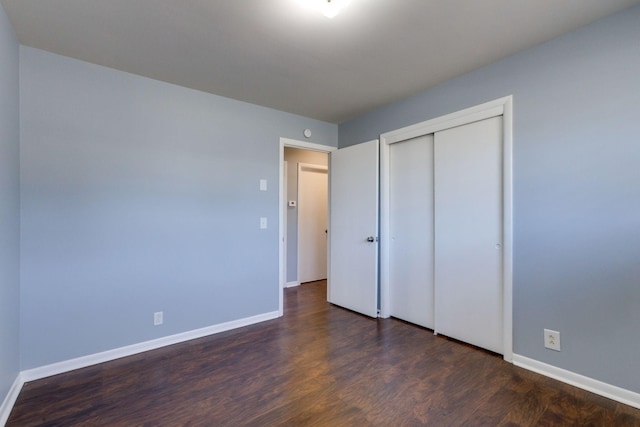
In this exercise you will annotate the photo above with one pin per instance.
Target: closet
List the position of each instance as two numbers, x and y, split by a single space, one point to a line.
444 190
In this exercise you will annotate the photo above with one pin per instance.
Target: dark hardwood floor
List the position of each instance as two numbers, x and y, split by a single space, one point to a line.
319 365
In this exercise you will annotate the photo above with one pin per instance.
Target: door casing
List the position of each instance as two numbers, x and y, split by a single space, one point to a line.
286 142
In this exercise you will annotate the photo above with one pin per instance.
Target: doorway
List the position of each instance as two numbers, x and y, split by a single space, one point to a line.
305 218
303 212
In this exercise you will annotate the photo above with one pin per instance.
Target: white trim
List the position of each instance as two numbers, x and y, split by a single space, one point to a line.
458 118
292 284
286 142
507 227
117 353
10 399
499 107
616 393
294 143
285 222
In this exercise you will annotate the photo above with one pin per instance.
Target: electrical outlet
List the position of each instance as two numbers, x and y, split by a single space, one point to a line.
263 223
552 339
157 318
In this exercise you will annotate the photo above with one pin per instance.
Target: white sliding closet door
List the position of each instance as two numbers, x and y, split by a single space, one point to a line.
468 233
411 230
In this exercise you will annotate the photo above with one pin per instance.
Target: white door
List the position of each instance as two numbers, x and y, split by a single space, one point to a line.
411 230
313 196
353 228
468 233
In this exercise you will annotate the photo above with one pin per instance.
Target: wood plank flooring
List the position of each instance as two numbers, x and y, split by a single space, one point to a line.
319 365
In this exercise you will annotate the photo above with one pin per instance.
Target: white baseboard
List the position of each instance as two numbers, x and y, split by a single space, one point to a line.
10 400
291 284
106 356
598 387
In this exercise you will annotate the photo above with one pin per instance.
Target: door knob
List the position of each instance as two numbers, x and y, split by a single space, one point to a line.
371 239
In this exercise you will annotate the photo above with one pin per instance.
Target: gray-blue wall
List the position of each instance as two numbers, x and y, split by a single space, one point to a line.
140 196
9 207
576 189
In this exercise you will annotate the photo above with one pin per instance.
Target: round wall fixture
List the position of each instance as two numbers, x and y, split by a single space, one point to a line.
307 133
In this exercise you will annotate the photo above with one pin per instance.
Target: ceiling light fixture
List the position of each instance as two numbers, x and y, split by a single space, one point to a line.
330 8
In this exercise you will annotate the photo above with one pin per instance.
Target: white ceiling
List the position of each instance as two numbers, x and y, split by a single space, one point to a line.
285 55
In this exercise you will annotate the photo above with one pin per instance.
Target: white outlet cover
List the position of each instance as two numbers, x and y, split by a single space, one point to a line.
157 318
263 223
263 185
552 339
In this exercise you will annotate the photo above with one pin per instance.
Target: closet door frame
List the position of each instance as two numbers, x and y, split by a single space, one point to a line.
499 107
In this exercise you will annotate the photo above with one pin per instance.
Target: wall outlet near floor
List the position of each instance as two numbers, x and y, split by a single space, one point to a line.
552 339
157 318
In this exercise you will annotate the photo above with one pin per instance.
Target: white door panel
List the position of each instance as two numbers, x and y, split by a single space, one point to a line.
353 274
313 196
468 233
411 230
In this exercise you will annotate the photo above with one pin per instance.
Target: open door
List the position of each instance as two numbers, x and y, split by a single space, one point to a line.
353 228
